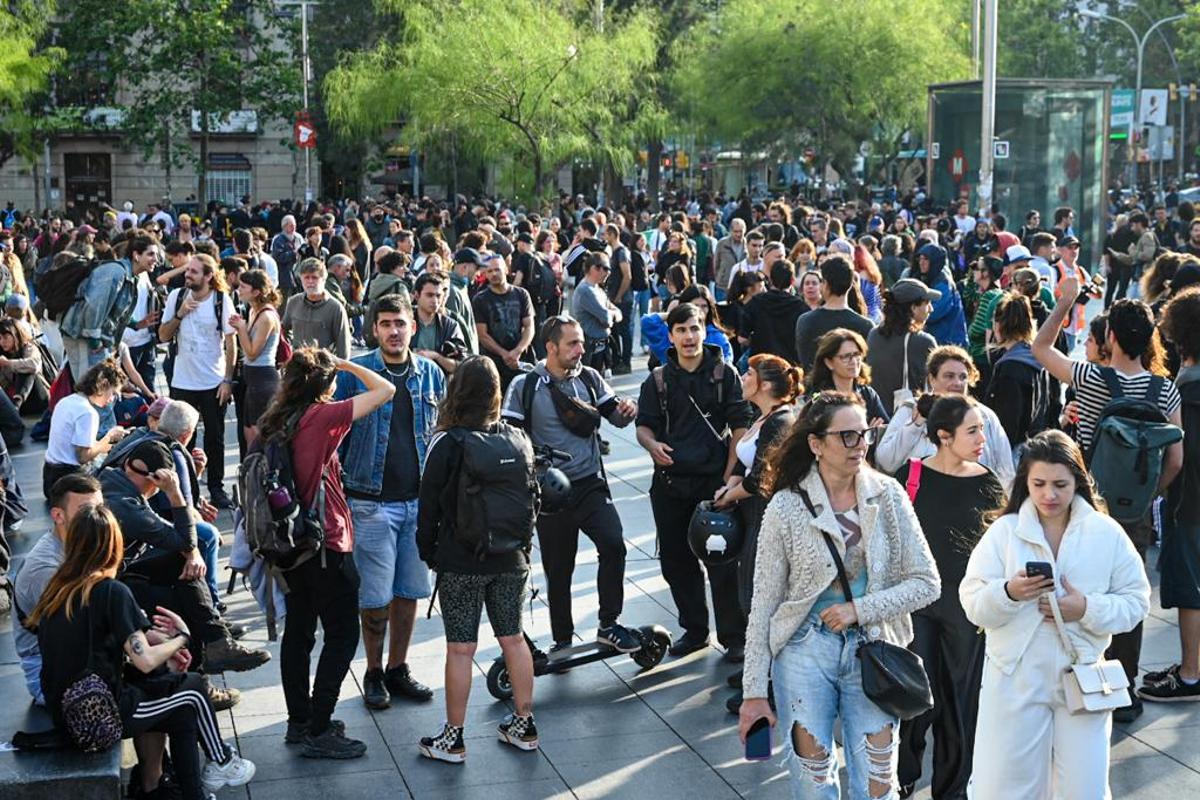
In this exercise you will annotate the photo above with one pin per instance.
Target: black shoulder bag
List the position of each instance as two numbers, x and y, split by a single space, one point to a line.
892 677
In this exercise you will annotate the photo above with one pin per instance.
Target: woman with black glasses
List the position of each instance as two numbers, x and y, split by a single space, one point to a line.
804 627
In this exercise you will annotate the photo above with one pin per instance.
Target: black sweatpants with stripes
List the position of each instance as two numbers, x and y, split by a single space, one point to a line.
188 719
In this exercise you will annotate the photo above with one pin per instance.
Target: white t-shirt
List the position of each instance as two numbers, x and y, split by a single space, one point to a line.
136 337
200 363
74 423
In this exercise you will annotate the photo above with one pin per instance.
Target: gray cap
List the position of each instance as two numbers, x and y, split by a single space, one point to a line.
911 290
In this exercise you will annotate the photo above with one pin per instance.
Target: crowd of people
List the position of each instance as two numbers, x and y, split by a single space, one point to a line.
918 393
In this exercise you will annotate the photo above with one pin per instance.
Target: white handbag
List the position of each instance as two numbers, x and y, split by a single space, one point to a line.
1090 688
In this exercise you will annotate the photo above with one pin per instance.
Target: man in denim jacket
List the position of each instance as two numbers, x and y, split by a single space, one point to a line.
382 459
92 327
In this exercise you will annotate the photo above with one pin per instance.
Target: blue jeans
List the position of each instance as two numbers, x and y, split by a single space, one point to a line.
385 552
818 680
208 541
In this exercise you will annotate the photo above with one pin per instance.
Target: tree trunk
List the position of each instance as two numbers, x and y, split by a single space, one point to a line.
614 187
654 173
202 170
539 177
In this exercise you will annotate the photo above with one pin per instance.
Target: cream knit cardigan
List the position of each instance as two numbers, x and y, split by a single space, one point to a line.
793 567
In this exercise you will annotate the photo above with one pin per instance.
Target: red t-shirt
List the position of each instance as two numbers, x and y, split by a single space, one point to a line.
314 458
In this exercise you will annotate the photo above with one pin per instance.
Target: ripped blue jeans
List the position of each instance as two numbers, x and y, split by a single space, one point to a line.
818 680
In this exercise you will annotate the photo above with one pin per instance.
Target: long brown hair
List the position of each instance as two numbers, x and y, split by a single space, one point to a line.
93 551
1052 447
820 378
790 459
472 397
307 379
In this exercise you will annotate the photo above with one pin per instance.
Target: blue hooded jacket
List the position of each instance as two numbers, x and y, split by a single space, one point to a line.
947 323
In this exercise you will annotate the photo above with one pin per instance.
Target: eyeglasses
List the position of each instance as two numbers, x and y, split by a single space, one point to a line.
851 439
849 358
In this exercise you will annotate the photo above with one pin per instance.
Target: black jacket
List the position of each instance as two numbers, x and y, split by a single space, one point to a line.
1019 393
144 530
773 429
769 322
697 451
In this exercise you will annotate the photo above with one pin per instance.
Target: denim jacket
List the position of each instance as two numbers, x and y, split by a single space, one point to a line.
106 301
364 450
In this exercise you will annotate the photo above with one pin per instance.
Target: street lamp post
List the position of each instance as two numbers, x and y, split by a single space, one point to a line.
1140 42
307 75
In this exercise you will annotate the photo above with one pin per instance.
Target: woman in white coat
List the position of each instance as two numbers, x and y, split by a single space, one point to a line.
1027 743
950 371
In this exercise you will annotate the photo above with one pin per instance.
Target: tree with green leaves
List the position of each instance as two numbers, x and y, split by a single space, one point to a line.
25 66
529 79
779 75
178 68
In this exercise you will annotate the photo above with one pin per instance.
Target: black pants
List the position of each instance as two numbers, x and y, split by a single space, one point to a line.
1118 282
239 405
622 332
672 500
596 354
953 652
187 717
143 361
329 595
1127 647
591 510
154 581
212 417
12 427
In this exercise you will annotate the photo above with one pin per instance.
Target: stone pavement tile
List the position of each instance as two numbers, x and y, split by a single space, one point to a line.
544 789
1158 716
627 747
585 721
654 776
489 762
381 784
1139 772
1178 743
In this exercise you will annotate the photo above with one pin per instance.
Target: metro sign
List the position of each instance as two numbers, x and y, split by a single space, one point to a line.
957 165
305 131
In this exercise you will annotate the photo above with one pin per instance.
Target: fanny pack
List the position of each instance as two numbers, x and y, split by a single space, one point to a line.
580 418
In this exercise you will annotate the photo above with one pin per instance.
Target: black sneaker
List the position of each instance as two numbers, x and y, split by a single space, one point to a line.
236 631
296 731
1152 678
621 369
332 743
557 646
619 638
735 654
375 694
735 680
734 704
907 789
520 732
1171 689
446 746
219 498
1130 712
687 644
401 683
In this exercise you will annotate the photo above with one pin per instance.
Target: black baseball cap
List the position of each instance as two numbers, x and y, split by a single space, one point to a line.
468 255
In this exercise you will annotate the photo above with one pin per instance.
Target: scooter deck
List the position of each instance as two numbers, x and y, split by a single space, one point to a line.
583 653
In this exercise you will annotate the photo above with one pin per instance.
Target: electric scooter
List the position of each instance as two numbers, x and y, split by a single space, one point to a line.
655 639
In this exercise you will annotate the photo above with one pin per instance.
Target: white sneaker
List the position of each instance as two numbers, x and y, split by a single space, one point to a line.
237 772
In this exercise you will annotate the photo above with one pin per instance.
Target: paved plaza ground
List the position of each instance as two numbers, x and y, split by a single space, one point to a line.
608 729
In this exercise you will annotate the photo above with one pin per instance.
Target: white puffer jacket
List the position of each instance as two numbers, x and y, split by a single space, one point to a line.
793 567
1095 555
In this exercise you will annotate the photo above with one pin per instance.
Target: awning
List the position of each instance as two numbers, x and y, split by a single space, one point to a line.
228 161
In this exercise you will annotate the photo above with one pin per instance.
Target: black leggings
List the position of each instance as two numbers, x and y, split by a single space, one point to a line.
187 717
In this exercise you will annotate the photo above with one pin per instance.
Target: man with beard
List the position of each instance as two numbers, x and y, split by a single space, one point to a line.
197 318
382 461
503 319
315 317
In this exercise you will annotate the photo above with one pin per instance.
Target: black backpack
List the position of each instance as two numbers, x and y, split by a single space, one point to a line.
58 286
497 494
543 285
279 529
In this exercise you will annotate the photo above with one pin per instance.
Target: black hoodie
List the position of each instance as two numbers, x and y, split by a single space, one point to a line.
769 322
1019 393
697 451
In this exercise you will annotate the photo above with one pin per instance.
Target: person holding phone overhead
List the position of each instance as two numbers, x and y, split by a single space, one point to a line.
1053 551
825 499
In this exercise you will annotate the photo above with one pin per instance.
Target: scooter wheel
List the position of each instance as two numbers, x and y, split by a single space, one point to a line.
498 683
654 648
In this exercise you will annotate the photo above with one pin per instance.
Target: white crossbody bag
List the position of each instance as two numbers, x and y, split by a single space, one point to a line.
1090 688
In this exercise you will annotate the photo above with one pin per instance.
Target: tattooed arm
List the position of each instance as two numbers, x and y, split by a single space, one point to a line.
146 656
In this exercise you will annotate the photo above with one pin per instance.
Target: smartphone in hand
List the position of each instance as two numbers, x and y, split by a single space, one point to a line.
1040 568
758 740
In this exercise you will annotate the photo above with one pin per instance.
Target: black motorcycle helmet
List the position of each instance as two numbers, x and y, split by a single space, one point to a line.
715 536
555 489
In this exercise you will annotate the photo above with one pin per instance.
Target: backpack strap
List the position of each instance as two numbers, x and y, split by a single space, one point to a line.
913 485
719 380
1155 390
660 384
529 387
1112 382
